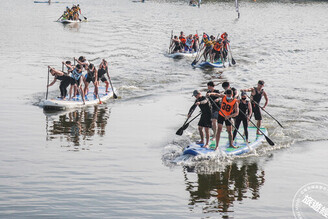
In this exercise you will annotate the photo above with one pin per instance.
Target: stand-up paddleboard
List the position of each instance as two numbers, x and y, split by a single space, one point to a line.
65 21
180 55
211 65
254 141
59 104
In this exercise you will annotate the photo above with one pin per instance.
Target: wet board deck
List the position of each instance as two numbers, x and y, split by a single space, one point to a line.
178 55
254 141
59 104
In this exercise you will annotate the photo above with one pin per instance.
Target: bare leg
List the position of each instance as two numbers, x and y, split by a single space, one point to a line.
214 122
218 134
207 133
259 126
200 129
229 130
107 85
86 87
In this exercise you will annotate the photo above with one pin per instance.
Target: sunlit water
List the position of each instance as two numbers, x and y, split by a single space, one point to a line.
115 160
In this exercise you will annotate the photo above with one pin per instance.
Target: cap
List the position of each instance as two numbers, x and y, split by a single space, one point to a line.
210 84
261 82
195 93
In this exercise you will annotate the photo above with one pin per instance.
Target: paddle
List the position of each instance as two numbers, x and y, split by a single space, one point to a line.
85 18
265 111
170 47
47 83
192 108
111 85
232 59
266 137
198 56
185 126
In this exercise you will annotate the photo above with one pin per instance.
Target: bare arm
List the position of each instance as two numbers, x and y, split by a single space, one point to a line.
52 83
266 99
250 111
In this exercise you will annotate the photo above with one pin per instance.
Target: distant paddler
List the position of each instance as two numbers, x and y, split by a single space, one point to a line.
189 43
217 51
208 46
205 118
176 45
256 96
65 81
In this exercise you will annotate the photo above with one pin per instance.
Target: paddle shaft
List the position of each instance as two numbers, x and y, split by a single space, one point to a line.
47 84
232 59
266 137
265 110
194 118
111 85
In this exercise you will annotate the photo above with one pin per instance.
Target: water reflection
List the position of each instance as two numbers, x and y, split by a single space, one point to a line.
77 126
217 192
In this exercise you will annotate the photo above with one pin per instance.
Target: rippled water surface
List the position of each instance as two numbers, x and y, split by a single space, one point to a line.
115 160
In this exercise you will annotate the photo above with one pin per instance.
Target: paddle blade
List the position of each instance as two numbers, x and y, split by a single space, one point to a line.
233 61
193 63
115 96
180 131
269 141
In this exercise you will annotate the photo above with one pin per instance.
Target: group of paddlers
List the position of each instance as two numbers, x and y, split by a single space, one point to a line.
72 13
74 77
230 108
211 47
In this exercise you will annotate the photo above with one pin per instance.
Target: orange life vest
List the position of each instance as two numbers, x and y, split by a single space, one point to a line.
227 107
218 46
183 40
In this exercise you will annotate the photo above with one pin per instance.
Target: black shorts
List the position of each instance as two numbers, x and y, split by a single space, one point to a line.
103 78
221 119
215 115
257 112
205 121
89 79
77 82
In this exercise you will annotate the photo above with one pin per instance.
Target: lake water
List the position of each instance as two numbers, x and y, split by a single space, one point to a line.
115 160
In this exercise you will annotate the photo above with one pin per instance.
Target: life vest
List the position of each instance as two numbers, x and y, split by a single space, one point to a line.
218 46
183 40
207 42
76 75
189 42
227 107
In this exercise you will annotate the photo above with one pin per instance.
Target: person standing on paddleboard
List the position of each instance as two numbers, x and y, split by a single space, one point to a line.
92 76
65 81
229 109
102 70
177 44
205 118
226 86
256 96
76 81
245 113
215 109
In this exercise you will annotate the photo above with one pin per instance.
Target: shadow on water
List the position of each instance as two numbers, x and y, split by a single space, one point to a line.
219 191
76 127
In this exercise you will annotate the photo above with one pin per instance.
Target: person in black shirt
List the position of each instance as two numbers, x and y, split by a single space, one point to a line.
65 81
245 113
214 104
205 118
226 86
256 95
